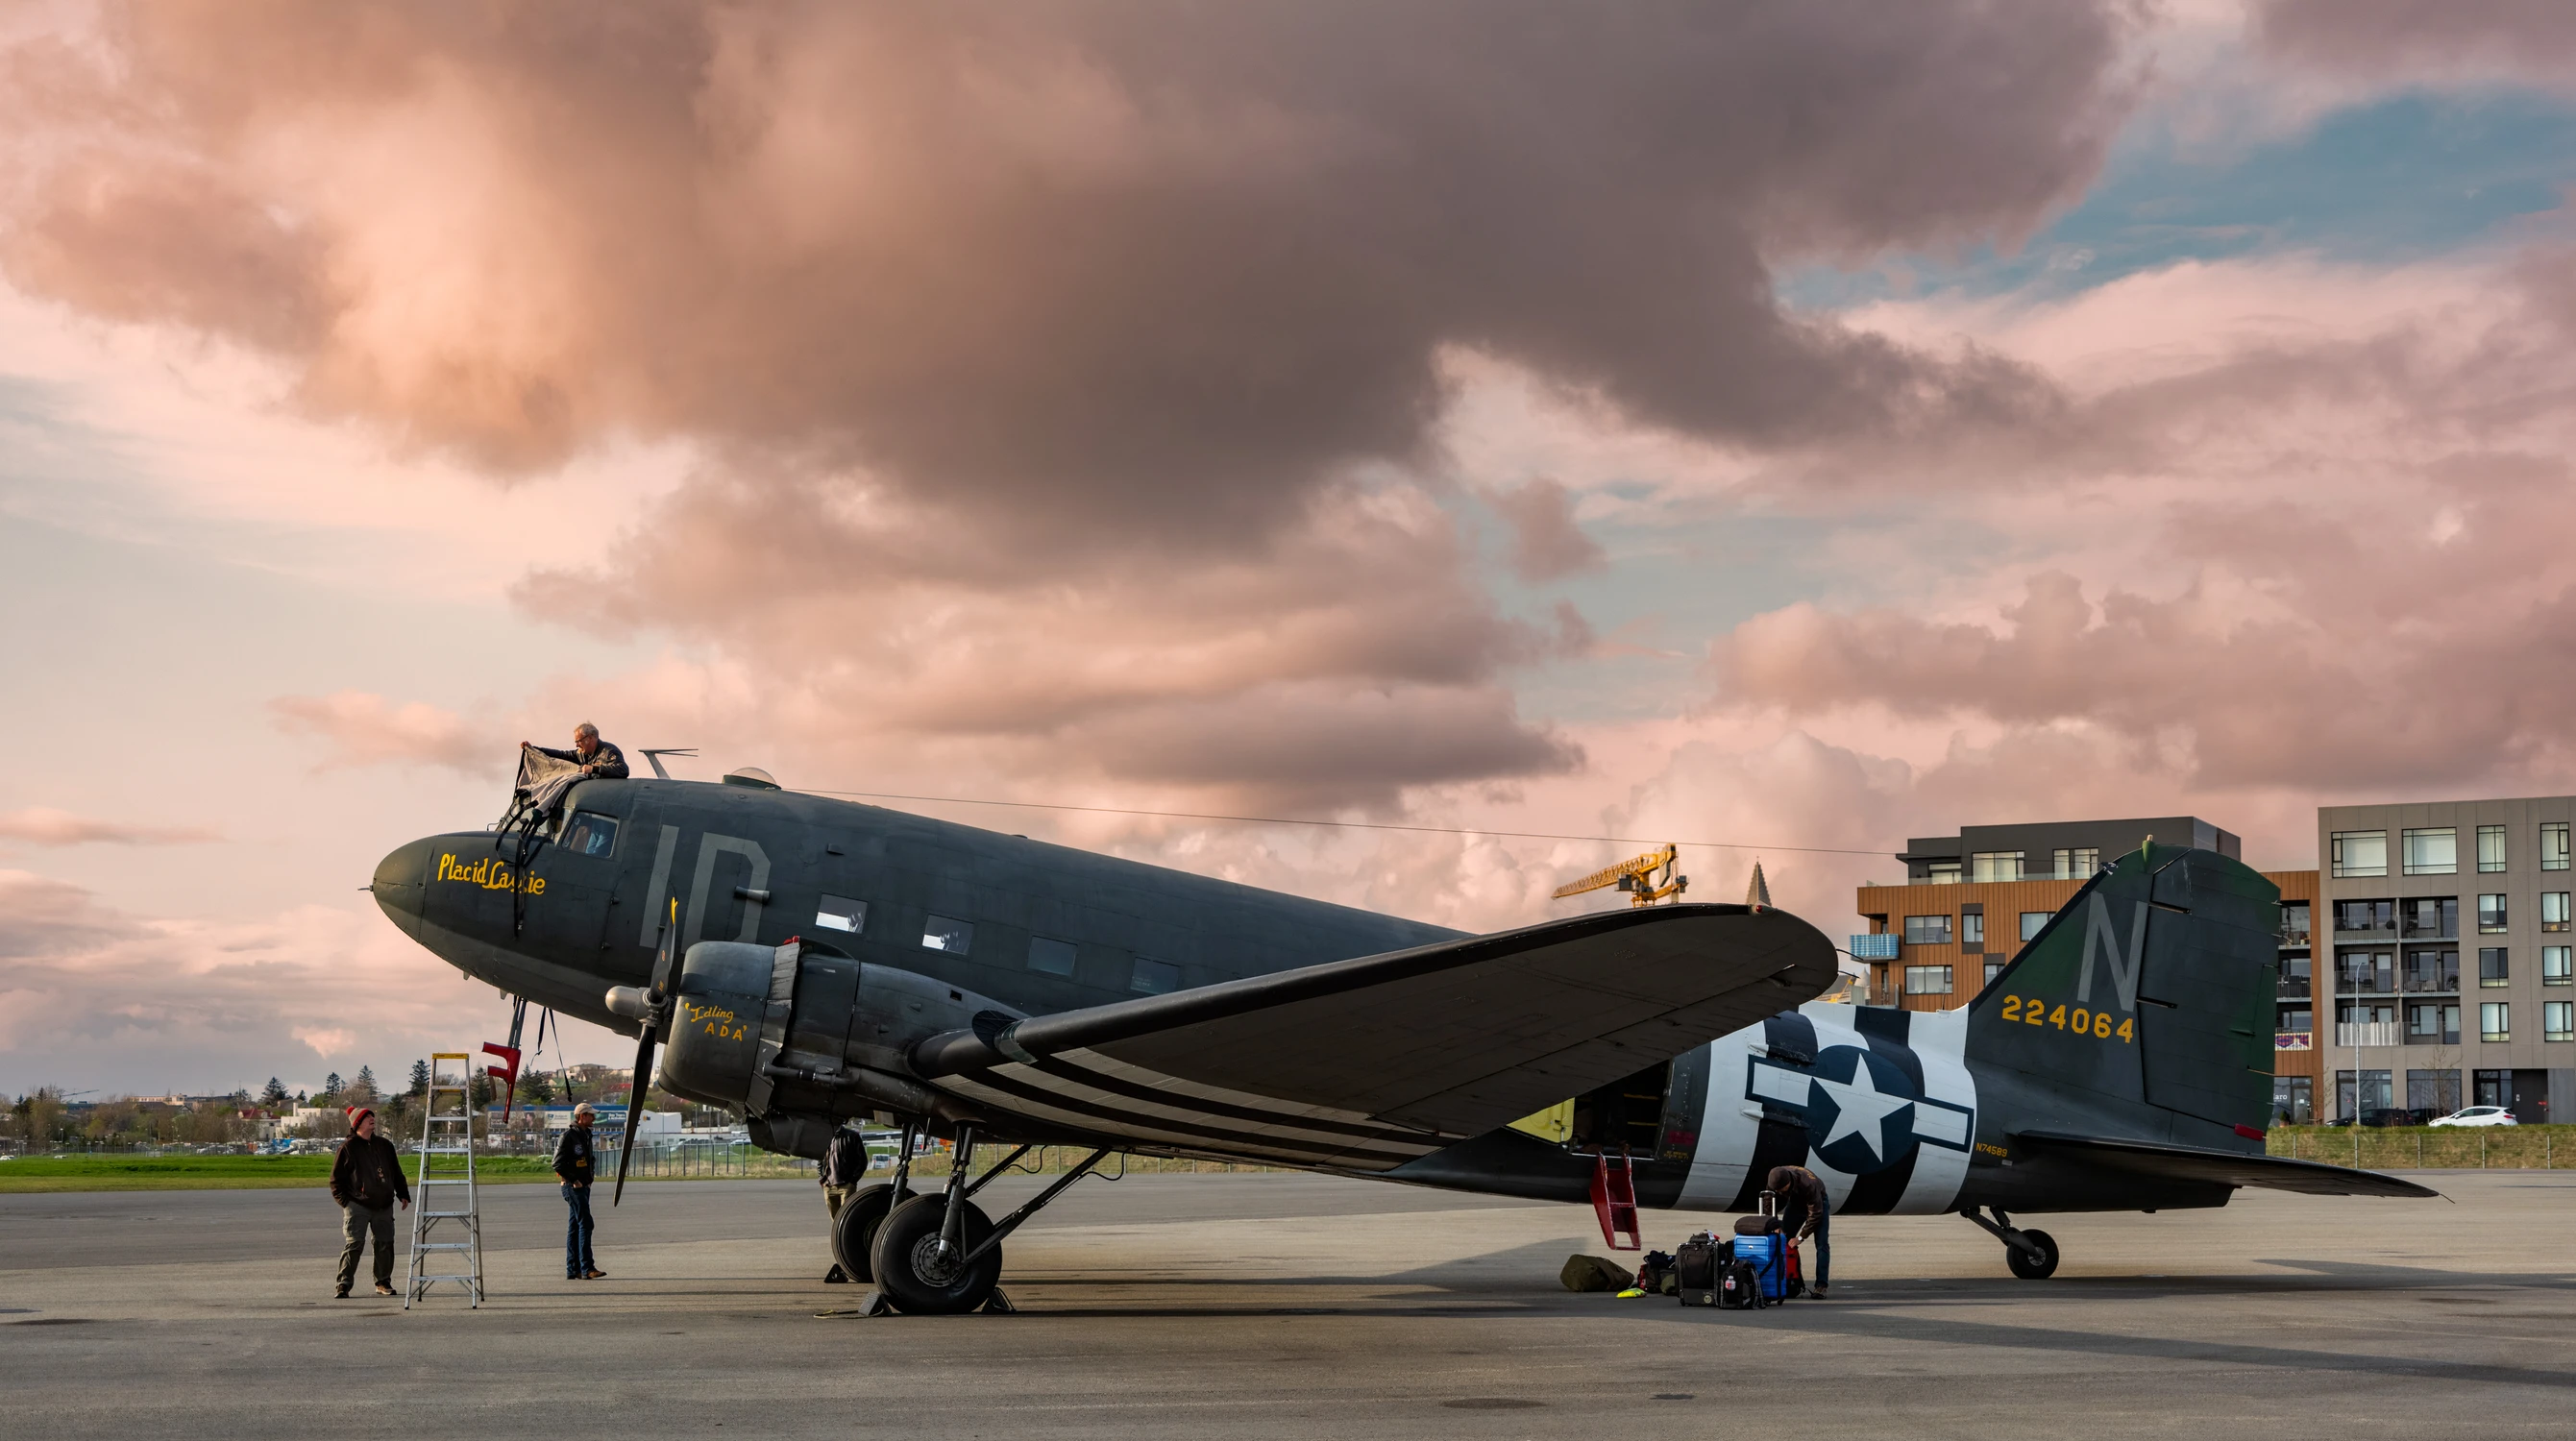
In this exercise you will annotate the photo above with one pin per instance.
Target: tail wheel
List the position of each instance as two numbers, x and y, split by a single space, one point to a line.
2028 1267
913 1272
854 1231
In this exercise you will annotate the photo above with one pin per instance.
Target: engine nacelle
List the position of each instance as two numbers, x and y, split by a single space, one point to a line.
802 1030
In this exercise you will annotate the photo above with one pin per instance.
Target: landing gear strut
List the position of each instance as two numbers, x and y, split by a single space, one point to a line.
2032 1255
941 1255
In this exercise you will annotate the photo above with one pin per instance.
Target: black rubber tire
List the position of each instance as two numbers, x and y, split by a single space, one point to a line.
854 1231
904 1244
2028 1269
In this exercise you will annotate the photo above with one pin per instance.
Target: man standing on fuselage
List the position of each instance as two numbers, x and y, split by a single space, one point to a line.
597 758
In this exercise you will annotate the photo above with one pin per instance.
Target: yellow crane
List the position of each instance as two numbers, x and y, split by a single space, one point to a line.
1638 876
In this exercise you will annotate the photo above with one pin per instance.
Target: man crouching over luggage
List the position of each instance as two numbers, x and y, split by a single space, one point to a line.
1805 1211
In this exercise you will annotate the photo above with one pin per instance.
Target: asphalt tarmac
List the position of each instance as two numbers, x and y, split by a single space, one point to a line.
1276 1305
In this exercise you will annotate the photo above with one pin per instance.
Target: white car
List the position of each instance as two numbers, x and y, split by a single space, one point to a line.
2478 1116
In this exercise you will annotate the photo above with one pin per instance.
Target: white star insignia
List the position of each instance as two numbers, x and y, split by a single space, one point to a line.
1859 1108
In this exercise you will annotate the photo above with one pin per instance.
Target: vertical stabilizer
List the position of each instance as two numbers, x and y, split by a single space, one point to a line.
2147 1000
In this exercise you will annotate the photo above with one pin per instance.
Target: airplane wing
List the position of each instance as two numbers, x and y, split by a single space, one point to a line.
2226 1168
1369 1063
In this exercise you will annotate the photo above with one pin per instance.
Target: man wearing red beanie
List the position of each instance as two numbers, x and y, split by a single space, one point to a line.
367 1181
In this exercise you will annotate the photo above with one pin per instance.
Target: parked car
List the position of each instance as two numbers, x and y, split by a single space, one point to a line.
2478 1116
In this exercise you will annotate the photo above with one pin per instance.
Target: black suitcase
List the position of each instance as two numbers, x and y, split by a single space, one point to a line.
1764 1223
1695 1269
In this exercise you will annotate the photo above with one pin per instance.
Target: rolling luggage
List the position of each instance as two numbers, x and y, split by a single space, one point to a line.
1695 1270
1764 1222
1767 1256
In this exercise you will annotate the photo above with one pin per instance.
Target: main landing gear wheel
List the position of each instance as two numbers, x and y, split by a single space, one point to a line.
2031 1267
854 1231
913 1271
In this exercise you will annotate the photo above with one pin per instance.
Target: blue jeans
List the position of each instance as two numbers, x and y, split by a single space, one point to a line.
577 1230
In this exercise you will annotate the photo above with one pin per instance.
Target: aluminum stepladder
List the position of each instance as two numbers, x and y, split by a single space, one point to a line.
444 1191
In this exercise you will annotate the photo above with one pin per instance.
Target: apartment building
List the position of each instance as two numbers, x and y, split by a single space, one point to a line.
1971 901
2452 972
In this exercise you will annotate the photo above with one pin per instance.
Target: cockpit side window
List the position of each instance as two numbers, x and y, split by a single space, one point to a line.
590 834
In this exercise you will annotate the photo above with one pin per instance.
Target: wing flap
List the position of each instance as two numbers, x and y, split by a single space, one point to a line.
2226 1168
1435 1042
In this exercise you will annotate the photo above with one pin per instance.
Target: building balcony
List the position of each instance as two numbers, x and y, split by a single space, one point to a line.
2349 1034
2294 1040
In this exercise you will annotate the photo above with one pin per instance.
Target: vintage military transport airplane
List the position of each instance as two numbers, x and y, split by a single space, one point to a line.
808 961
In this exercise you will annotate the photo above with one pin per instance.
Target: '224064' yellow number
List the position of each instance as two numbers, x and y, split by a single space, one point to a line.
2098 1024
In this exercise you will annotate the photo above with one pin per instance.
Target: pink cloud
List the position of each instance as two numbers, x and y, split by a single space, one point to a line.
45 826
363 729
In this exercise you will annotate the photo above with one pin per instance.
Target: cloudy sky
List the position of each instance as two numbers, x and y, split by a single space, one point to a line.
1795 426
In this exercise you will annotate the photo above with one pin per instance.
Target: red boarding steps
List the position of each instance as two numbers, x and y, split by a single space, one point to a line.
1614 1200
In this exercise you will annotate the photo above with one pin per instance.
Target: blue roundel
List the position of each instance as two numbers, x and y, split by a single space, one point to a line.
1860 1110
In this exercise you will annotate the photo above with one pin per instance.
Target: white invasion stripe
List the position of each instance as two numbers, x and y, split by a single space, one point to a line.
1112 1066
1303 1154
1940 1123
1178 1108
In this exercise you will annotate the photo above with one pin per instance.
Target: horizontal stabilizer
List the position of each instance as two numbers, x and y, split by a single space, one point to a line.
2225 1168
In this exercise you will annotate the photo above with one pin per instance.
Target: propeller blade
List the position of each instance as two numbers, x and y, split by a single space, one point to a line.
634 1110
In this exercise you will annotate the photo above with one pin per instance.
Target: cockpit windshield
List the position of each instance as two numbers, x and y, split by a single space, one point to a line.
590 834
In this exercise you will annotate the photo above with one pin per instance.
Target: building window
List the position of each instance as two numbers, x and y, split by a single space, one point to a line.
2293 1020
1050 957
2294 923
2494 966
1972 928
2293 1100
2374 1093
840 913
2491 915
1153 978
2433 851
2492 1088
1943 873
2495 1020
2431 918
2032 921
2433 1023
2555 963
2433 1091
1993 969
943 934
2365 973
2076 863
2363 917
1927 980
1927 931
1995 866
2432 972
2553 846
2553 910
2295 978
2558 1020
2359 853
2490 848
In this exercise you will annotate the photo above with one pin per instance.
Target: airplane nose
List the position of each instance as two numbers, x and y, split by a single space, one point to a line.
400 877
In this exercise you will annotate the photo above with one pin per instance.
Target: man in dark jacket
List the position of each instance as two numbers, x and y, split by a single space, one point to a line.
845 1165
367 1183
597 758
1805 1211
576 1160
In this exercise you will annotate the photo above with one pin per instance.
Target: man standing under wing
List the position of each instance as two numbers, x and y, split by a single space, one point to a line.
367 1181
575 1162
1805 1211
845 1165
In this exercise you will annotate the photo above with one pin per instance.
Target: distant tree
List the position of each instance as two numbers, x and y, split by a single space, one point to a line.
332 1085
535 1089
420 1078
481 1093
301 1098
364 1092
275 1095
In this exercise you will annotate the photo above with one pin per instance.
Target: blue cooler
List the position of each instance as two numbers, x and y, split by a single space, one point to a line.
1770 1257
